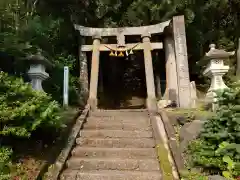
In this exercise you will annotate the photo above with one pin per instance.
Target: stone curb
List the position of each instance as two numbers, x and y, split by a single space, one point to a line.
55 170
170 132
161 137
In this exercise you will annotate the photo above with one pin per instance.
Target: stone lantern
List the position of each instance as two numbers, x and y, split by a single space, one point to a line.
216 69
37 73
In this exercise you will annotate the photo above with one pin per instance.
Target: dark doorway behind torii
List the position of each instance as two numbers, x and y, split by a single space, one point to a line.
122 82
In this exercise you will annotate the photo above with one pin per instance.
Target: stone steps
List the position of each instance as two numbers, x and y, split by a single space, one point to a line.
117 126
113 164
121 119
114 145
119 113
110 175
116 142
115 134
131 153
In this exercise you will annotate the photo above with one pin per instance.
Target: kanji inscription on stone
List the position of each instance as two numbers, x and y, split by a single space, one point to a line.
182 61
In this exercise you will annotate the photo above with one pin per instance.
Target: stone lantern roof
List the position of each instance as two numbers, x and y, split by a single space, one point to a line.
38 58
214 53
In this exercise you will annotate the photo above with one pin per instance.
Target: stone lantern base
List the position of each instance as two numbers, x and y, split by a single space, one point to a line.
37 78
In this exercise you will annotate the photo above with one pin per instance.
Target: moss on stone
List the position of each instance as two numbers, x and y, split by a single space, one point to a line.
190 114
165 165
192 175
177 129
197 111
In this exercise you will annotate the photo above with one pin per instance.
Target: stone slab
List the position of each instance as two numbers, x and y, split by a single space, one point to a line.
130 153
115 134
115 114
110 175
113 164
116 142
179 35
117 126
128 119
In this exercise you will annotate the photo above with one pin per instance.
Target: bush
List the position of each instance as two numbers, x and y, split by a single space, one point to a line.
5 160
218 148
22 111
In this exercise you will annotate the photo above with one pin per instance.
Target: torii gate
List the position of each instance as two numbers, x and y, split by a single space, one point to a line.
177 72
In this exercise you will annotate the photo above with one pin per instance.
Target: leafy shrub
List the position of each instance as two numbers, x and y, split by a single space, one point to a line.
23 109
220 139
5 160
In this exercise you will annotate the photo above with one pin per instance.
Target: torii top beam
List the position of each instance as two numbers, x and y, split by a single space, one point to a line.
151 29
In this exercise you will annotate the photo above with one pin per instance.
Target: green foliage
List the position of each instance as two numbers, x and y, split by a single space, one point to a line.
230 168
24 31
192 175
218 148
22 109
5 161
54 85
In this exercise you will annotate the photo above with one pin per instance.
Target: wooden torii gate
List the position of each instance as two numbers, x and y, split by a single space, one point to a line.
177 72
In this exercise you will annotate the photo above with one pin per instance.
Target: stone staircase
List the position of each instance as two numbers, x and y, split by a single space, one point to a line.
114 145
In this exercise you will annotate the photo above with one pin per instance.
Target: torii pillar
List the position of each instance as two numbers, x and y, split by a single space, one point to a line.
92 101
151 96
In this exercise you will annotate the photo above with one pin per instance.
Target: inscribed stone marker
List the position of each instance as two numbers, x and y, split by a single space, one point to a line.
182 61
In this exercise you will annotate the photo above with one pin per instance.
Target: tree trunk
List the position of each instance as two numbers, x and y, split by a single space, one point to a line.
238 59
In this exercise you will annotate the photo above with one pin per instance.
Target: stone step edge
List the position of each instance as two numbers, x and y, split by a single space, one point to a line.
122 110
111 149
109 130
115 133
75 171
114 138
109 159
132 120
118 121
74 152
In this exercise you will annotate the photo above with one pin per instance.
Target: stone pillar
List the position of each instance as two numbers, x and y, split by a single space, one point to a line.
151 96
83 78
179 35
157 78
94 72
171 92
193 94
158 86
